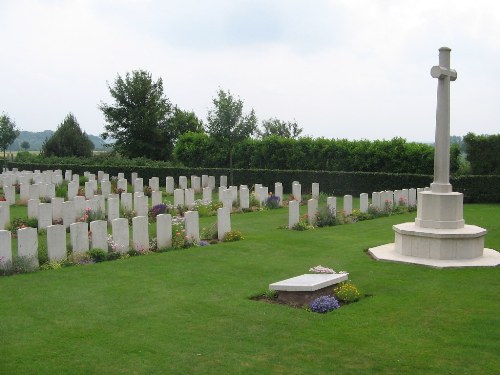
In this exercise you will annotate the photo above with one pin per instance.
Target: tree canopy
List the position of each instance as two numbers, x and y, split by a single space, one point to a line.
68 140
286 129
142 121
8 132
227 123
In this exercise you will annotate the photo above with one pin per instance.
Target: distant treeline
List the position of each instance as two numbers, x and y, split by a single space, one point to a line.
36 139
393 156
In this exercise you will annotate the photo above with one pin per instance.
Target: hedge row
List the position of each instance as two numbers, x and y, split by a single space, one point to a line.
390 156
475 188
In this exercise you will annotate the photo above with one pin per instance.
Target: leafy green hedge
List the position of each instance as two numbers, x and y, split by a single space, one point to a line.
393 156
483 153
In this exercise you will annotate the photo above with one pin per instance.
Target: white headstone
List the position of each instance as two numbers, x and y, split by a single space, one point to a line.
140 234
207 195
312 210
347 204
34 191
79 234
121 235
4 215
24 191
89 189
278 192
138 185
57 208
56 242
315 190
183 182
211 182
69 214
293 213
178 197
79 204
113 209
192 225
196 183
163 231
376 199
126 201
244 197
99 236
154 183
141 205
122 185
44 215
363 202
105 188
204 180
223 222
156 198
5 249
72 189
297 192
223 181
331 204
169 185
412 197
189 198
33 207
27 245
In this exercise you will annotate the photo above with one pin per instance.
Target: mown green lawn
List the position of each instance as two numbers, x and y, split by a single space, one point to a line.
189 312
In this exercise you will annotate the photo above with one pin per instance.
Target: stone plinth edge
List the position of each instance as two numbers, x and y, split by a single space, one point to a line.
490 258
309 282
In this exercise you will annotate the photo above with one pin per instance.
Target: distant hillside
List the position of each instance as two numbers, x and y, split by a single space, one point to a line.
35 139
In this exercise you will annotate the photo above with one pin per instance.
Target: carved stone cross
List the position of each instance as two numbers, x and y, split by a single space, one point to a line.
444 75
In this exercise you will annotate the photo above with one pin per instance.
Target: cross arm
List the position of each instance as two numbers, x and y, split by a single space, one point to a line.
442 72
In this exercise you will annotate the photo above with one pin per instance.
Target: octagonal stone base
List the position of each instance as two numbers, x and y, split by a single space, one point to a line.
463 247
462 243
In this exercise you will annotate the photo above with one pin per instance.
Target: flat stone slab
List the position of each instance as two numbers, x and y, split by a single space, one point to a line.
387 252
309 282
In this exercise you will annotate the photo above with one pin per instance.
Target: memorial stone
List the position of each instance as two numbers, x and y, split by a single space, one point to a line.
56 242
79 234
163 231
347 204
293 213
27 245
192 225
140 234
121 235
223 222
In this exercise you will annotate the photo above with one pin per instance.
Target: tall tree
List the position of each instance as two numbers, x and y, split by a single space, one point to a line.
183 122
8 132
25 145
138 119
228 125
286 129
68 140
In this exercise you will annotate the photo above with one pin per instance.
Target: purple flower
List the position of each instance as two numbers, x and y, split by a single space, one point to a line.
324 304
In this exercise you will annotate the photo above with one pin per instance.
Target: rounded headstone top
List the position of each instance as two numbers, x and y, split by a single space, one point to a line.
445 49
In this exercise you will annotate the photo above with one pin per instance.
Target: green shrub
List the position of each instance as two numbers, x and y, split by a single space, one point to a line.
97 255
210 232
325 217
233 235
347 292
113 255
303 224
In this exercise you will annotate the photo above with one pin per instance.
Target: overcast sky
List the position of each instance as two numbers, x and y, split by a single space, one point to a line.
356 69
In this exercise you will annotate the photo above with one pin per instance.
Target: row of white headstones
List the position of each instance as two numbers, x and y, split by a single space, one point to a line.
71 210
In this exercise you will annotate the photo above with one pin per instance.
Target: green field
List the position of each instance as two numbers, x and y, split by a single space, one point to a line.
189 312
